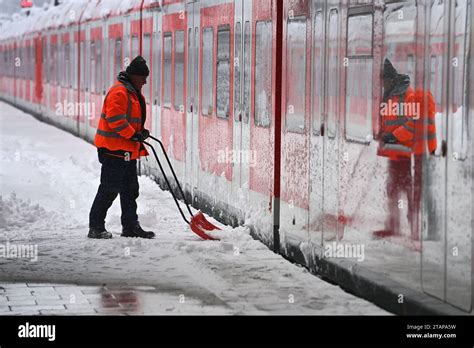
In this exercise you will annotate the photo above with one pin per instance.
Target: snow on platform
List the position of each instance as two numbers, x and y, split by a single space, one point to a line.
48 180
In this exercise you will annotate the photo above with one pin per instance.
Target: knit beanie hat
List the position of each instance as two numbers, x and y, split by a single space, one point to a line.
138 67
388 70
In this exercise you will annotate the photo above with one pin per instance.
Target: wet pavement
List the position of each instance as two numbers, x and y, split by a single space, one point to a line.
70 299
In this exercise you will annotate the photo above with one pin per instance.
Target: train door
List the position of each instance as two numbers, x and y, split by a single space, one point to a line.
84 110
192 95
157 69
324 154
241 102
97 90
448 172
316 135
86 81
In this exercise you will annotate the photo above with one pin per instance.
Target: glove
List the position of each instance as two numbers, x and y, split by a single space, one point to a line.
389 138
141 135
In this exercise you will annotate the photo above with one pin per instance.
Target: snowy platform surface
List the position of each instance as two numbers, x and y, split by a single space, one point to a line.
48 180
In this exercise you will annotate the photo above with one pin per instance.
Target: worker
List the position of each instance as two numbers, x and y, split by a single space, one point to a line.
119 144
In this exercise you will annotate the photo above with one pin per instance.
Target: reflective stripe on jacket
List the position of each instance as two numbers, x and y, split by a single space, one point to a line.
121 118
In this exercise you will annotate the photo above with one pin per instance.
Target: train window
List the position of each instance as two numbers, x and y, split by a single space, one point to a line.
73 66
126 51
189 69
93 67
459 90
237 62
67 66
52 71
168 45
98 61
359 35
207 70
135 47
358 118
223 71
59 69
438 48
359 100
28 62
399 31
263 74
318 80
118 58
179 71
196 69
157 67
333 72
146 55
82 64
247 71
111 62
296 74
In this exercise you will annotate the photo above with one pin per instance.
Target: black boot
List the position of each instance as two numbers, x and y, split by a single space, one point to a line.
137 232
99 233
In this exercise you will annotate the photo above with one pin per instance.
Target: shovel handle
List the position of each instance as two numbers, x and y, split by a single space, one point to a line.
172 171
167 182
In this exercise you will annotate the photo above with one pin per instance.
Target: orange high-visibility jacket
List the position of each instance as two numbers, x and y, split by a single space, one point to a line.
414 126
121 118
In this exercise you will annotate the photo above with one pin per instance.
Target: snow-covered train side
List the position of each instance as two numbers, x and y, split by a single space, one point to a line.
211 99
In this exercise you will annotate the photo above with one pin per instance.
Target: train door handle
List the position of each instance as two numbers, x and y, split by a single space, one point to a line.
191 108
321 131
444 148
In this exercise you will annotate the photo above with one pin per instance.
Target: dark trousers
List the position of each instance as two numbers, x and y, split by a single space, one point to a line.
117 177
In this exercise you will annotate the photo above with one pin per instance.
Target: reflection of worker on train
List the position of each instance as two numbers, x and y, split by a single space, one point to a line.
408 131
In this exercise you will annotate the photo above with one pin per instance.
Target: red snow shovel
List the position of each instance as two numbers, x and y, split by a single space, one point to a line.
199 224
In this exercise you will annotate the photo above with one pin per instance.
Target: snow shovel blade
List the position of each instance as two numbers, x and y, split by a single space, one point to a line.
196 228
204 223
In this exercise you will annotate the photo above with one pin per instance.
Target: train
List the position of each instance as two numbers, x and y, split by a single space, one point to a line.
270 113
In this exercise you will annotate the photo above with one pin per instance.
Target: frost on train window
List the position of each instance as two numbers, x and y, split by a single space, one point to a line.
358 117
45 60
197 47
147 56
359 100
207 71
126 51
135 47
296 74
92 65
318 45
98 62
399 31
189 69
333 67
237 70
157 67
247 71
359 35
459 76
179 70
437 50
118 58
168 44
223 71
263 74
